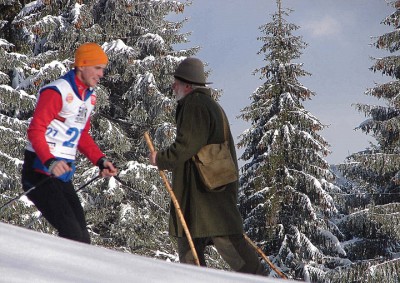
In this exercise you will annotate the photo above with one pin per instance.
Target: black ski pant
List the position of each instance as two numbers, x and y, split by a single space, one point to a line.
234 249
58 202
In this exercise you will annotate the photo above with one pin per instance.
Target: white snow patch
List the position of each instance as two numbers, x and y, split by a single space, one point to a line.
29 256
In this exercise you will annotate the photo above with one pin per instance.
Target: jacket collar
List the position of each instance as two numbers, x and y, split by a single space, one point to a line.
204 90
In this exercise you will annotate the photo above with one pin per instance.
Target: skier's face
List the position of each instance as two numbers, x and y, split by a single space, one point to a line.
91 75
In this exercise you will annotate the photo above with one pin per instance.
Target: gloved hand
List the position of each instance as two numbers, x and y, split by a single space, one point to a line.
107 168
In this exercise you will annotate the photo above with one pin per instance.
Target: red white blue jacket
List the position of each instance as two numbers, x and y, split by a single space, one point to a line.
61 121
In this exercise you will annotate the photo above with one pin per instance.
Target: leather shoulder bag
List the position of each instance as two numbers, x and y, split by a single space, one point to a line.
215 164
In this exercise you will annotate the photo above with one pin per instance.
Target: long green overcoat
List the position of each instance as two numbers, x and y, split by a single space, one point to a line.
199 122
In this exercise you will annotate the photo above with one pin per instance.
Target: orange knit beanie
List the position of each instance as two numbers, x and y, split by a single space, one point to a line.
90 54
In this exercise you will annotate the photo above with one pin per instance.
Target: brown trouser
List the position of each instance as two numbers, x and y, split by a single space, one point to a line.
234 249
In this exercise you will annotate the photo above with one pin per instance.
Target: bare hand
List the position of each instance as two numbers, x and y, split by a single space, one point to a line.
59 168
153 158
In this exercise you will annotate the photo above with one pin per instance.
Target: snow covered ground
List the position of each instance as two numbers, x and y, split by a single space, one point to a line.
29 256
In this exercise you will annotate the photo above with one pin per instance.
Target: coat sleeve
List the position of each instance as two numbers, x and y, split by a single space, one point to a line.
88 147
193 127
47 108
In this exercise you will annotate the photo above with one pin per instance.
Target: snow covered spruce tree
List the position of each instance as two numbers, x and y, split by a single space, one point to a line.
372 230
284 196
15 108
133 97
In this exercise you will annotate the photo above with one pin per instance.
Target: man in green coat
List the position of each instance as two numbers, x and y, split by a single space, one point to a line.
212 217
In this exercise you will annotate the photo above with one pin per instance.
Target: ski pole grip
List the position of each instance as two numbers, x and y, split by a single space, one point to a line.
148 141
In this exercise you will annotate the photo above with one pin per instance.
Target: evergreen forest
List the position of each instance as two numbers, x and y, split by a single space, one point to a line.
316 222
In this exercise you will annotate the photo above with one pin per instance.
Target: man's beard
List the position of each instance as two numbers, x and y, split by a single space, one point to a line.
179 95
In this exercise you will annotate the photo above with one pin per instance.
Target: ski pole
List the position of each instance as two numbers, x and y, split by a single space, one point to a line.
264 257
28 191
125 184
88 183
175 202
25 193
77 190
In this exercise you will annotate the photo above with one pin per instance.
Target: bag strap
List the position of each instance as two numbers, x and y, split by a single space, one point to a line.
225 123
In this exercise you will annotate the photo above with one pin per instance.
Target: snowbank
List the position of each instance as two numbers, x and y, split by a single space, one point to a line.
29 256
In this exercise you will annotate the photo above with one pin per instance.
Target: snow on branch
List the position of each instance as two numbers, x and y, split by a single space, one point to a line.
387 271
4 44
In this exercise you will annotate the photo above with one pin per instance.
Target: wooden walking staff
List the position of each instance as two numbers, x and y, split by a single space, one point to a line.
175 202
264 257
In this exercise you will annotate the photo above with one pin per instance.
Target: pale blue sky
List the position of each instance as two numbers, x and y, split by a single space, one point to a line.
338 34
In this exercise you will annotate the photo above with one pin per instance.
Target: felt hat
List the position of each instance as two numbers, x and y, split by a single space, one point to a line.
191 70
90 54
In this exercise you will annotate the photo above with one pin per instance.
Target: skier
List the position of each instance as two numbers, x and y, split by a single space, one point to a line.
59 127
